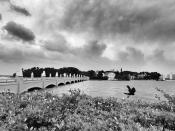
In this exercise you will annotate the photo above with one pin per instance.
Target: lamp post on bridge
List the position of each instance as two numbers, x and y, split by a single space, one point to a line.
43 74
57 75
42 78
32 75
64 75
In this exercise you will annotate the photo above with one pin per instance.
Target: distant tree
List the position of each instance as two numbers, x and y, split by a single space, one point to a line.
122 75
27 73
100 75
14 75
37 72
155 75
69 70
50 71
91 74
117 75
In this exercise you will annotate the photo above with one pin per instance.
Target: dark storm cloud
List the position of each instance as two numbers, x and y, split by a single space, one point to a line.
4 0
162 30
21 55
19 31
105 17
17 9
92 50
110 18
159 60
131 56
20 10
57 44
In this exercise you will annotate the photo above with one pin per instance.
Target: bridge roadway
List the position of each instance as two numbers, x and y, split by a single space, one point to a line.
20 84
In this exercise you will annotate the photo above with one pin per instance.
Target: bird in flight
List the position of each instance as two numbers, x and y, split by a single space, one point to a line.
131 91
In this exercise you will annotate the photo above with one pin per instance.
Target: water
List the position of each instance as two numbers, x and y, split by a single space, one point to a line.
145 90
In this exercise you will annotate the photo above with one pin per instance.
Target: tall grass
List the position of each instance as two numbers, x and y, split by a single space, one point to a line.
79 112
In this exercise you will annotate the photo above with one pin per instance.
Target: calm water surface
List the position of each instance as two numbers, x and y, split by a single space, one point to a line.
144 89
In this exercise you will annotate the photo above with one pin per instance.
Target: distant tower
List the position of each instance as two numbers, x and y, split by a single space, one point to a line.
121 70
22 72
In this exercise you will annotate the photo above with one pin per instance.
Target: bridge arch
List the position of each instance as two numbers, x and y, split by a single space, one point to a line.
60 84
76 81
72 82
50 86
33 89
67 82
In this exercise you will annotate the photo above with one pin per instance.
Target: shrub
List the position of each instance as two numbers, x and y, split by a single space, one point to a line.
80 112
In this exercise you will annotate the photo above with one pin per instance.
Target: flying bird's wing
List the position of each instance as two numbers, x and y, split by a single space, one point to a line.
129 89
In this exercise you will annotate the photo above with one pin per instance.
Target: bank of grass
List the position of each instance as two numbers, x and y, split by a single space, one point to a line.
79 112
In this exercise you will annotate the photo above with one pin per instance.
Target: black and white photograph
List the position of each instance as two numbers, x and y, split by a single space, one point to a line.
87 65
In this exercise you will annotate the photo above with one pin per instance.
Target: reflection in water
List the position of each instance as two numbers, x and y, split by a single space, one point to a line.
145 89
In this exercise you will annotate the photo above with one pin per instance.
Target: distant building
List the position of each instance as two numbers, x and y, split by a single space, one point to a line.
162 78
170 76
132 77
173 76
167 77
110 75
141 76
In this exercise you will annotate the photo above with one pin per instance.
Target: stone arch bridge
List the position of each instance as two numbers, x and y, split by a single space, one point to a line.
20 84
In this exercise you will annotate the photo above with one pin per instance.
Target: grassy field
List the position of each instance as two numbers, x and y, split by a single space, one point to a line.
78 112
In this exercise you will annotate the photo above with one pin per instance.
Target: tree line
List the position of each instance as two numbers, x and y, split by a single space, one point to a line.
37 71
123 75
93 75
127 75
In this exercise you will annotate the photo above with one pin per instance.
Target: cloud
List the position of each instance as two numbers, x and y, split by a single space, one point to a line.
159 58
87 55
131 56
73 33
92 50
19 31
19 53
20 10
57 44
5 1
138 20
158 61
16 8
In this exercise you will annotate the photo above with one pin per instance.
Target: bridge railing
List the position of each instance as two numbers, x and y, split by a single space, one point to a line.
12 80
32 79
7 80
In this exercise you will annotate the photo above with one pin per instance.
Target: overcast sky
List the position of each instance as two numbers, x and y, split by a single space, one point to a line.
138 35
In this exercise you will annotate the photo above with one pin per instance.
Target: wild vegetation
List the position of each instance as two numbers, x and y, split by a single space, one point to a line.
79 112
